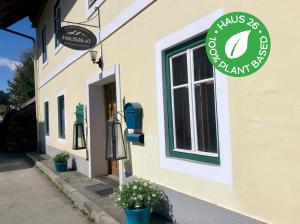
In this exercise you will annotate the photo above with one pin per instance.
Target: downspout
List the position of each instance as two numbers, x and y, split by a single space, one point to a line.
34 43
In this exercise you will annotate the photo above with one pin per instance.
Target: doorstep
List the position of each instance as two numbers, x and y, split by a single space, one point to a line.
77 188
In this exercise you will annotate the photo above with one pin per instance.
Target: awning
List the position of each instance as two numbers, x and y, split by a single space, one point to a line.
11 11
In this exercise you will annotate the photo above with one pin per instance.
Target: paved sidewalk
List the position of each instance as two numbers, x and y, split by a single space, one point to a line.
28 197
74 185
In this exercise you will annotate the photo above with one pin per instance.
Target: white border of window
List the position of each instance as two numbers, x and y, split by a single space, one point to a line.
59 139
218 173
192 109
47 100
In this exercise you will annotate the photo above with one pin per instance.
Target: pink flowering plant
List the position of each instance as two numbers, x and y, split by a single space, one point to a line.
137 194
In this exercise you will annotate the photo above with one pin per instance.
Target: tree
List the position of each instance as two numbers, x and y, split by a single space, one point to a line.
4 106
3 110
3 98
21 88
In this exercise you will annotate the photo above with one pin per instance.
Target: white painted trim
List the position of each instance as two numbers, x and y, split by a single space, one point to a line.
133 10
113 71
62 140
218 173
105 74
46 100
58 48
88 134
119 108
44 64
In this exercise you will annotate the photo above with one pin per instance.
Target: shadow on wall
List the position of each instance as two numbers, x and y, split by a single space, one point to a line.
66 7
164 207
18 130
128 161
41 144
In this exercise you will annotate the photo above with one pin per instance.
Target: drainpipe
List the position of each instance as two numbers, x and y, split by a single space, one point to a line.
35 78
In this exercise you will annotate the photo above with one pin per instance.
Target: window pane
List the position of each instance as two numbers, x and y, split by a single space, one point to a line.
179 69
44 49
57 20
61 116
182 118
206 117
46 109
202 67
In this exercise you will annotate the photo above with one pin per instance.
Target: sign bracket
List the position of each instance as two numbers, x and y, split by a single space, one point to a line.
83 23
80 24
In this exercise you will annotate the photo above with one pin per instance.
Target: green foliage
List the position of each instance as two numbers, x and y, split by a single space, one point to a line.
4 98
4 106
21 88
138 194
61 157
3 110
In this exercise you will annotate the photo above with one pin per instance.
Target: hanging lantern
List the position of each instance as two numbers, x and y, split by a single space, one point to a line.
78 136
114 146
78 129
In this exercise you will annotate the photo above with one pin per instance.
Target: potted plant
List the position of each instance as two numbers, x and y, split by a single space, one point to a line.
61 161
138 197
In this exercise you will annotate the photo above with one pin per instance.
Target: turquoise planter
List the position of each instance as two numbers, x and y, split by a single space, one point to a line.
61 167
138 216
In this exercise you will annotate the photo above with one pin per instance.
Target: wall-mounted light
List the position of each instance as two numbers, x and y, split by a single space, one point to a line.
93 55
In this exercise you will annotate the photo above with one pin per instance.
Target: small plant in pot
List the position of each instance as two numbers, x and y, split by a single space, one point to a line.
61 161
138 197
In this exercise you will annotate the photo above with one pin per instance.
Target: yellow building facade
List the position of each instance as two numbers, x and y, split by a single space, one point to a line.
254 179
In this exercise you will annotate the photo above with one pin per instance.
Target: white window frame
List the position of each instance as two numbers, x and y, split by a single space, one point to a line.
221 173
192 108
59 139
47 136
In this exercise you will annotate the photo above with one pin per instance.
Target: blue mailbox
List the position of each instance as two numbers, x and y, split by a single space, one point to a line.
133 115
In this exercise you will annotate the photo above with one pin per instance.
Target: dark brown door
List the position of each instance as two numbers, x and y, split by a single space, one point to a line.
110 110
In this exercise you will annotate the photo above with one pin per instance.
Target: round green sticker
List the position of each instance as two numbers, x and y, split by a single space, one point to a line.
238 44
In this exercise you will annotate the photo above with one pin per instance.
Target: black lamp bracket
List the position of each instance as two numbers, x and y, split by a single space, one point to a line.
99 62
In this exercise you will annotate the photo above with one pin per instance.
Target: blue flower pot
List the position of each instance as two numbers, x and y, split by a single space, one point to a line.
61 167
138 216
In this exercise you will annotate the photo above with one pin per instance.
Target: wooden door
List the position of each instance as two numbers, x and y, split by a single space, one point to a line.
110 110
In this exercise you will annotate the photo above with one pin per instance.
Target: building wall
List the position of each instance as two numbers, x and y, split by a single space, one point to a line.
263 107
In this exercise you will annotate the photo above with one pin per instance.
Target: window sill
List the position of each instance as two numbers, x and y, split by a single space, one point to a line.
62 141
193 157
200 153
44 64
58 48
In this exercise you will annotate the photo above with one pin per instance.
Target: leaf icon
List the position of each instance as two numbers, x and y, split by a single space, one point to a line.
237 45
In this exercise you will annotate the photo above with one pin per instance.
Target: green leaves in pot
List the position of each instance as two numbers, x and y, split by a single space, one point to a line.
61 157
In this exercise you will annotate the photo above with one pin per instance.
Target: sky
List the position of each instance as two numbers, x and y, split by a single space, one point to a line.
11 47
